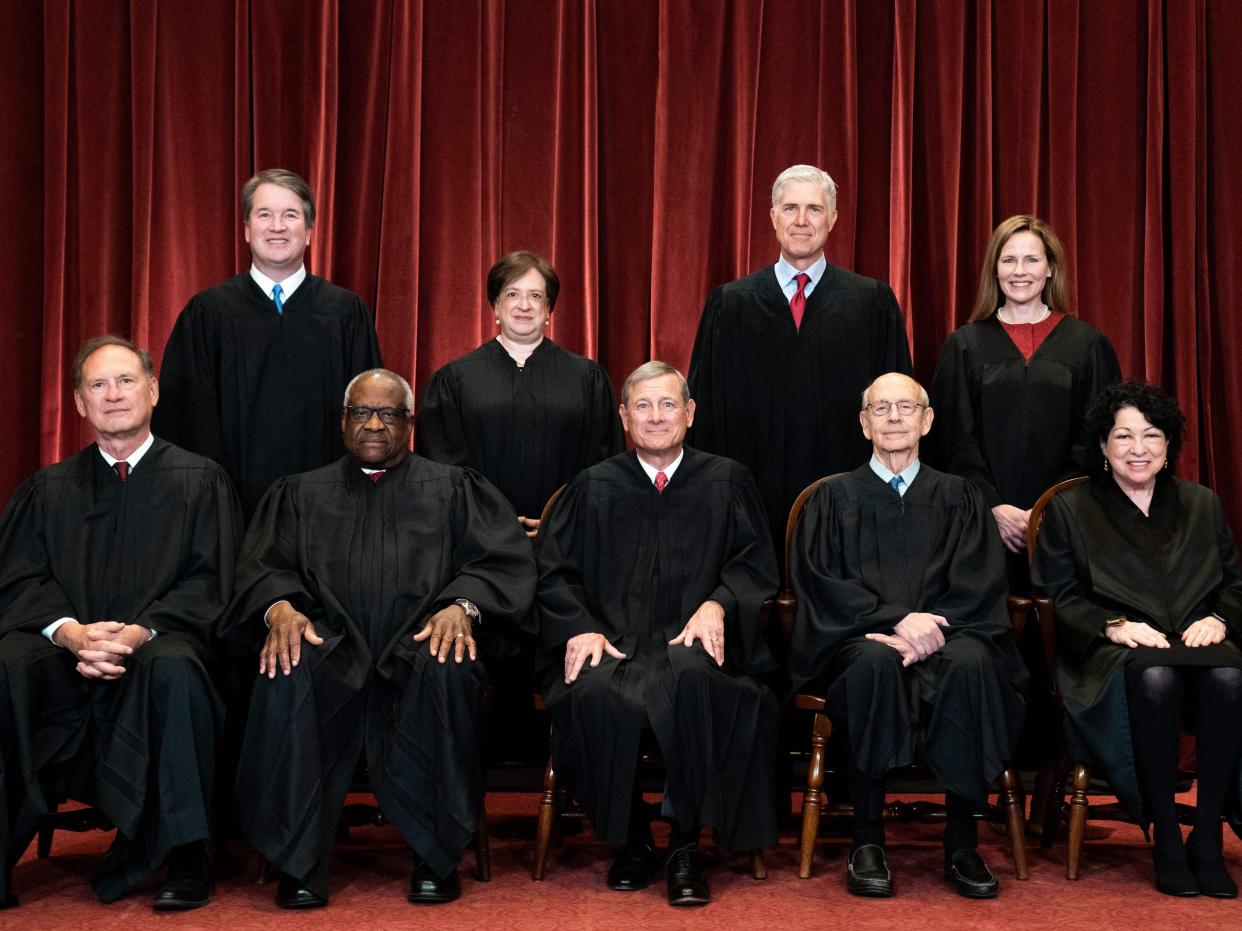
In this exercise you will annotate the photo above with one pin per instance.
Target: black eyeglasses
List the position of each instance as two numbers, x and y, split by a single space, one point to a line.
387 415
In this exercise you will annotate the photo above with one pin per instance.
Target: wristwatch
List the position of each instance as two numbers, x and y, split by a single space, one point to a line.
468 606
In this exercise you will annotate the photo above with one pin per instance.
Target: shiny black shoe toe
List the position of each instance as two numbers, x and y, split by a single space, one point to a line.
867 873
969 876
687 886
290 893
633 868
188 883
426 888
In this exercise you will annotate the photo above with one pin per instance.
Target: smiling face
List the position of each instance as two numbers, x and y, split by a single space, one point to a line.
116 396
1136 451
1022 269
894 432
802 221
373 443
522 308
277 232
656 417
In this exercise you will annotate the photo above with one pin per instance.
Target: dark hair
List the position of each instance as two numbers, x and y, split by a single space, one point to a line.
95 343
286 179
513 266
1160 409
1056 291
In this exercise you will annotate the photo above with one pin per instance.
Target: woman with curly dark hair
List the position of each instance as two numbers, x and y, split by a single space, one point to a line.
1144 573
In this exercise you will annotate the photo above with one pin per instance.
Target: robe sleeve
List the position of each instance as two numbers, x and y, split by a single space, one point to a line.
1060 571
195 602
188 412
30 596
493 564
607 438
1100 371
439 433
955 430
564 611
892 352
362 351
1226 601
707 433
976 584
832 606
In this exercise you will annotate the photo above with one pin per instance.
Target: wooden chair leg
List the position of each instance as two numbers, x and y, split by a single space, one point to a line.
1015 820
45 840
821 729
1077 820
547 817
757 868
482 849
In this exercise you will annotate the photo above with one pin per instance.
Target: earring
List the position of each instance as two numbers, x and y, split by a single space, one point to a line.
1165 467
1106 466
497 321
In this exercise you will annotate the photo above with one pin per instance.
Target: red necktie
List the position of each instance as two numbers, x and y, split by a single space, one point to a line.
122 469
660 481
797 305
375 476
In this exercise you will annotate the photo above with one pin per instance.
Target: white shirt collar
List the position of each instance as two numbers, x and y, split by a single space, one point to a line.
785 274
907 474
667 470
287 287
133 457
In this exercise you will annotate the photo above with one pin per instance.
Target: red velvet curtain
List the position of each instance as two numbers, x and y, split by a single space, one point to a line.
634 142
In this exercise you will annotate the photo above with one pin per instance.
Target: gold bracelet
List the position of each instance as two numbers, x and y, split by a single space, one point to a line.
1115 622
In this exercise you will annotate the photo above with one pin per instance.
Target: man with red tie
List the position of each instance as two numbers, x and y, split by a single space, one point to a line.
782 355
653 567
115 565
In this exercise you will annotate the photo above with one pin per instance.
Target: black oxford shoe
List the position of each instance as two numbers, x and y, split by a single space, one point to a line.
633 868
686 883
188 883
969 875
290 893
426 888
867 873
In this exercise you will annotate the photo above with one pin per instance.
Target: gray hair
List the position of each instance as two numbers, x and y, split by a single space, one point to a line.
923 398
650 370
381 373
805 173
93 345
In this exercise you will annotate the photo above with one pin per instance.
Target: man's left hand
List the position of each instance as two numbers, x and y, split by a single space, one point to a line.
108 644
449 629
707 624
909 655
530 525
1204 632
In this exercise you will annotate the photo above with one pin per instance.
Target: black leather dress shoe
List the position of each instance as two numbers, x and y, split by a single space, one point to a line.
633 868
867 873
188 883
969 875
426 888
686 883
290 893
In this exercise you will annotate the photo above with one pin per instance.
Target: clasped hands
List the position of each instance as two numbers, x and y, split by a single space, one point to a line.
449 631
917 636
706 626
102 646
1203 632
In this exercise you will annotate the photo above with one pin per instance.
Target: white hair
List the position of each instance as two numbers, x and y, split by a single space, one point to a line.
381 373
805 173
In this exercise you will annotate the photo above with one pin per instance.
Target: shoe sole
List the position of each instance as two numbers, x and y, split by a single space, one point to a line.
431 900
869 892
180 905
689 901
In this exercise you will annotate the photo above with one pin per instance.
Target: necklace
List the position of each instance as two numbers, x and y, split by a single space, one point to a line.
1043 315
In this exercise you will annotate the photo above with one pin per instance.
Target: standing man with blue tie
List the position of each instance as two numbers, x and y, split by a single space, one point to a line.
255 367
782 354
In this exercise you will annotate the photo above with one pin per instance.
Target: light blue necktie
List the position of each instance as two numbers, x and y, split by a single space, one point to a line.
896 482
277 290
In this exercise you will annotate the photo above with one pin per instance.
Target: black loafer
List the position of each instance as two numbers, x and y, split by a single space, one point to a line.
969 875
290 893
686 883
633 868
426 888
188 883
867 873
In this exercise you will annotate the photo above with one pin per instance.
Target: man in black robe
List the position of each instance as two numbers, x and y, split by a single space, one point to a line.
901 589
272 346
782 354
399 574
653 565
114 567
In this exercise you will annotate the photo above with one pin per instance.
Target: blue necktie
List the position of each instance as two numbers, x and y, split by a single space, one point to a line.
896 482
277 291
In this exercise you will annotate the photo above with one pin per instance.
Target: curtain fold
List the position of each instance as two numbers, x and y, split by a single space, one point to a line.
634 142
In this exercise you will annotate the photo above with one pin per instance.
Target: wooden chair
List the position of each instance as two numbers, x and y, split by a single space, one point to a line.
815 801
555 800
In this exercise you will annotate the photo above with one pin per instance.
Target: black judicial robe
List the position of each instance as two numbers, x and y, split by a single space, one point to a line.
369 563
864 557
1012 426
784 402
157 550
528 429
1098 557
261 392
618 558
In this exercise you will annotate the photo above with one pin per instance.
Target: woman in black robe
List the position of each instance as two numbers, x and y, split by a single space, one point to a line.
521 410
1012 384
1144 573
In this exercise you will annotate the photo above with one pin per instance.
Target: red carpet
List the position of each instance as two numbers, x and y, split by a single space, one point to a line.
371 867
